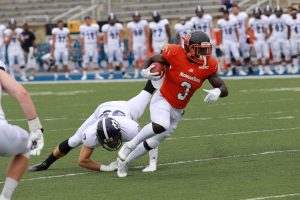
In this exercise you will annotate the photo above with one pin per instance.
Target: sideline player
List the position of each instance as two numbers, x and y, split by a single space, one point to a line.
60 48
14 141
2 45
13 40
159 33
182 29
260 30
186 70
294 26
89 42
114 44
138 34
110 124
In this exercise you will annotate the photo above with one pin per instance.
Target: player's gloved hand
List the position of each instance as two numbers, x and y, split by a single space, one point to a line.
113 166
36 138
146 73
105 49
122 47
212 95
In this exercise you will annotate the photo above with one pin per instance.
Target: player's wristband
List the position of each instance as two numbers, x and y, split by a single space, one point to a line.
34 124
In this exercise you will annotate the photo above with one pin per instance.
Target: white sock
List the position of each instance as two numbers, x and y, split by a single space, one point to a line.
138 152
144 134
67 74
84 73
153 156
295 62
139 103
136 71
97 73
9 187
55 75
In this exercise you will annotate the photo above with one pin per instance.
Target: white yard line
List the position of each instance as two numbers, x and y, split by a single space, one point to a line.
172 163
275 196
236 133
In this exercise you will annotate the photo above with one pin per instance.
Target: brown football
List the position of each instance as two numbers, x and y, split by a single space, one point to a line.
158 68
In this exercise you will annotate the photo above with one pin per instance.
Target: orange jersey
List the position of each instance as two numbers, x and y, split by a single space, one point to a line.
183 78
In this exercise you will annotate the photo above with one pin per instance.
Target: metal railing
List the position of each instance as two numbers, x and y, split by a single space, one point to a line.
94 10
67 14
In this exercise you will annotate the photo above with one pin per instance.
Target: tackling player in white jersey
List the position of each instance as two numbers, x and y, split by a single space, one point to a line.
138 34
60 48
279 40
13 39
2 46
260 27
229 38
242 25
159 33
112 123
294 28
182 29
114 44
89 42
14 141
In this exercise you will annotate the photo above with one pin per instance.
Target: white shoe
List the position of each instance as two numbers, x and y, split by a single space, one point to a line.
290 69
136 75
122 168
111 76
84 77
242 73
268 70
151 168
295 70
229 73
31 78
280 69
125 151
68 78
3 198
126 76
98 77
23 78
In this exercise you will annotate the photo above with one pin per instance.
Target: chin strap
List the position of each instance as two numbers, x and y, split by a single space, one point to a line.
204 60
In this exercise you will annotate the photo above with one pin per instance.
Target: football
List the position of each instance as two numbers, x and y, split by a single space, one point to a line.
158 68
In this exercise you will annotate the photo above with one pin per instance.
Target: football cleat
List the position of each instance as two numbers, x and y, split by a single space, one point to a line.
242 72
151 168
111 76
84 77
126 76
98 77
38 167
122 168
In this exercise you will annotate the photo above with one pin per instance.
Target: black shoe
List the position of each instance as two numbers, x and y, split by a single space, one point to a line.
38 167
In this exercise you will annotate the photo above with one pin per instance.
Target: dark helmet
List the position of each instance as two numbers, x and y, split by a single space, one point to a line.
197 46
257 12
109 134
156 16
199 8
111 16
278 11
136 14
12 21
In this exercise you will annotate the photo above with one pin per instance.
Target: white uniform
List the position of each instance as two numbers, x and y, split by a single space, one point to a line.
202 24
125 112
159 35
113 42
13 139
260 44
279 37
15 52
61 51
244 46
182 30
90 35
2 46
229 39
139 40
295 35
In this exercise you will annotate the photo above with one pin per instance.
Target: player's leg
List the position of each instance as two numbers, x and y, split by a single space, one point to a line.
85 64
95 57
11 63
258 49
137 56
21 62
110 60
235 50
227 57
266 56
119 57
57 58
65 61
295 53
276 52
287 56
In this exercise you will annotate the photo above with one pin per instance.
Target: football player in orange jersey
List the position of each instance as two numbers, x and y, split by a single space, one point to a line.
186 70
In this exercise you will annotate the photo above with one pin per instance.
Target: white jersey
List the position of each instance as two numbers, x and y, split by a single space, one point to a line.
89 34
258 26
2 115
228 29
182 29
2 29
113 34
202 24
240 18
138 32
295 27
61 37
14 44
159 32
279 27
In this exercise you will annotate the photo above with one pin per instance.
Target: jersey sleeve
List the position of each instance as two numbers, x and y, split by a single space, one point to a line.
213 66
176 27
251 20
166 21
120 26
169 51
144 22
54 31
3 66
81 30
220 24
104 28
129 25
89 137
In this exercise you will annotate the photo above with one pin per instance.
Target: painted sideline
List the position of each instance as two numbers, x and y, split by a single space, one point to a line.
275 196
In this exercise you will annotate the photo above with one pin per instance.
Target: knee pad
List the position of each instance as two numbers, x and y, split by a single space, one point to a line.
64 147
159 128
146 145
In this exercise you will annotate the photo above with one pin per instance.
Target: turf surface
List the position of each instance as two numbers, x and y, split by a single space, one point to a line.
245 146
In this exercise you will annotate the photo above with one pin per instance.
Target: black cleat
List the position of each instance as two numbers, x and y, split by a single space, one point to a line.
38 167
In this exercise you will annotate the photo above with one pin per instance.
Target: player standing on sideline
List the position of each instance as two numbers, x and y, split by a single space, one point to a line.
114 44
14 141
182 29
60 48
186 70
260 29
242 25
279 40
13 40
2 45
110 124
229 38
294 28
138 34
159 33
90 47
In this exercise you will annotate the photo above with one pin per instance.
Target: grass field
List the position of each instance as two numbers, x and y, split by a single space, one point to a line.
245 146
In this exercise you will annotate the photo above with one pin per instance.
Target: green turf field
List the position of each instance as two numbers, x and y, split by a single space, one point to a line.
245 146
